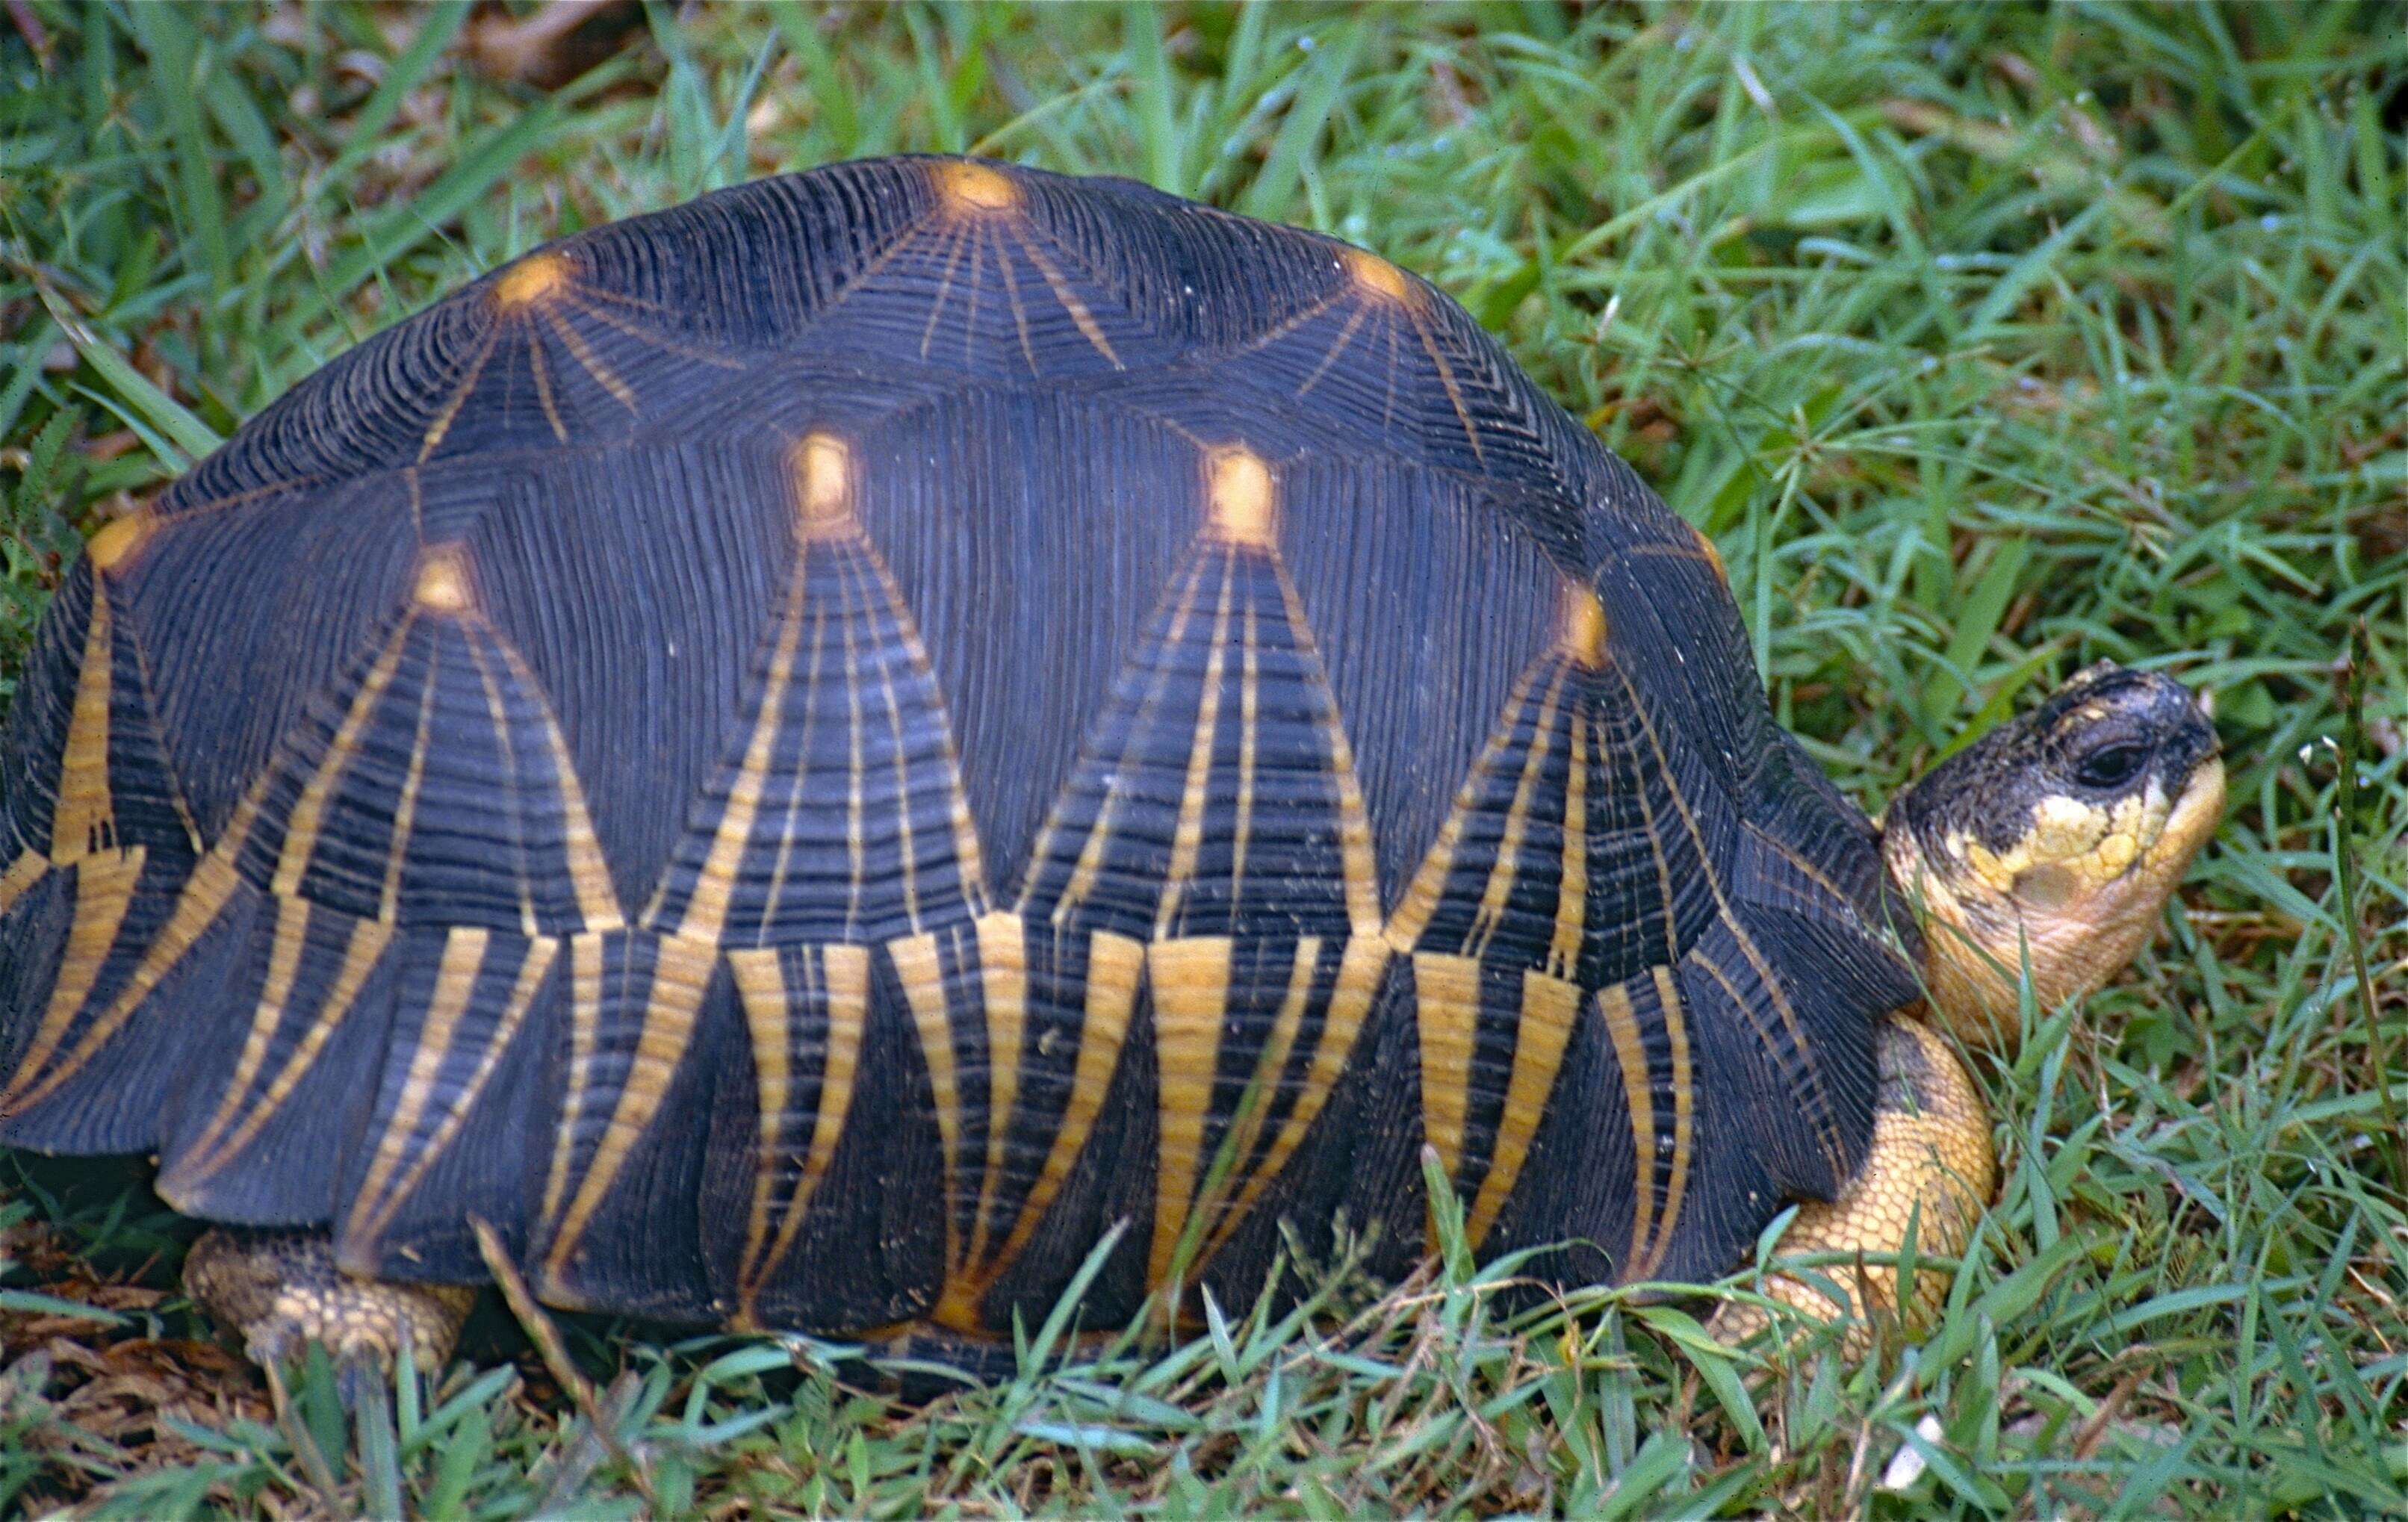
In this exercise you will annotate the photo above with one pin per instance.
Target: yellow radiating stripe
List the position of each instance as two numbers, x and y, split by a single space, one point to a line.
1019 312
856 806
1309 312
82 816
1549 1008
603 375
1654 849
1676 1027
1091 856
450 410
1190 979
1698 956
104 888
584 1035
588 874
761 984
848 1021
907 237
1196 791
290 939
786 831
589 303
1638 1097
212 883
23 873
1069 298
959 237
1833 1152
1571 890
706 910
455 980
1337 346
309 814
908 852
543 390
966 837
976 284
681 976
367 941
145 686
1447 995
1446 379
922 972
1248 702
1254 1102
964 828
1805 869
1507 865
1354 826
405 816
1003 977
1361 967
515 805
1115 964
847 971
541 956
1411 919
1082 874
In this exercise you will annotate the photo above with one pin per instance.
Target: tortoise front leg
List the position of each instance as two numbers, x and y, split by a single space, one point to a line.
282 1290
1930 1163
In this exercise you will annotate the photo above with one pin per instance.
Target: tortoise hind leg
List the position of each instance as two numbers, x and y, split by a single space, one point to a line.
282 1290
1930 1163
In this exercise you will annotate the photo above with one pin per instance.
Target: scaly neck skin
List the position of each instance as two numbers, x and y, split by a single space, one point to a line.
2075 900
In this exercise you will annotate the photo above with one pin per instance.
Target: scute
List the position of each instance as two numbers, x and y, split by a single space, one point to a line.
807 755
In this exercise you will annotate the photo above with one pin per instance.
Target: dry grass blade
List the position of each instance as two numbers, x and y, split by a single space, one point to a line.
601 1419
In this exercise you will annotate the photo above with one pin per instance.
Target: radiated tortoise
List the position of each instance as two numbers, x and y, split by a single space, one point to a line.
806 756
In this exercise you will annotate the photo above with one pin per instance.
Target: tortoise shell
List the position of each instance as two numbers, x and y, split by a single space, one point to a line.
809 756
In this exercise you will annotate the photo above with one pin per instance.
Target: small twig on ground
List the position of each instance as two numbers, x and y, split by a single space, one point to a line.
2086 1436
554 43
29 26
546 1337
2353 743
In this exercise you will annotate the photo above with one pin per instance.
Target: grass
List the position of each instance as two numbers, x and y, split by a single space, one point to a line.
1986 341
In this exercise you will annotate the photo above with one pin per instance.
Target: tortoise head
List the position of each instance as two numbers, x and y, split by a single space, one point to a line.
2055 839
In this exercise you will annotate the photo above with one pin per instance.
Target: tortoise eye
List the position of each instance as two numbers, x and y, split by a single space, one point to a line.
2111 765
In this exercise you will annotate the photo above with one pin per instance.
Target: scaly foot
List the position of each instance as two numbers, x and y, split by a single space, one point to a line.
282 1290
1930 1163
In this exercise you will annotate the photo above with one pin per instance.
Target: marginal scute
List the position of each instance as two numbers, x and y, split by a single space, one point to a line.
1550 1009
833 992
427 1112
315 973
